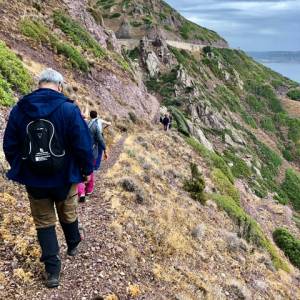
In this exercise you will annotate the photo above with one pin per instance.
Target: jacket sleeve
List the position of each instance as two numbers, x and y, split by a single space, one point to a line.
80 142
11 141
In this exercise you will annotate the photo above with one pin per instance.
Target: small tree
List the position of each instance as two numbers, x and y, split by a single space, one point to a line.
288 244
196 184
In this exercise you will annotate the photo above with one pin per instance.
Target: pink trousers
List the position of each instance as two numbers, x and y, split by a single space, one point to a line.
86 188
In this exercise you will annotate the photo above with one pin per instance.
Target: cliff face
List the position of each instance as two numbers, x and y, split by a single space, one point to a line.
138 18
188 214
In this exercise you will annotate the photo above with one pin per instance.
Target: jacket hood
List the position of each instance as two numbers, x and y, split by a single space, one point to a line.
41 103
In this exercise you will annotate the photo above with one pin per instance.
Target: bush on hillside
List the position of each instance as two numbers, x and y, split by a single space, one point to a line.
239 169
294 94
13 72
294 129
272 161
254 103
196 184
248 119
180 120
229 98
6 94
291 186
249 228
78 34
267 124
212 158
40 33
288 244
224 186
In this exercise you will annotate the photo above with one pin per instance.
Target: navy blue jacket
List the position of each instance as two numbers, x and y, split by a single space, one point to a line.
72 132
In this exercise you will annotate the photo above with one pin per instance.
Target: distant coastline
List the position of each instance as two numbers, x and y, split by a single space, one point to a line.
276 56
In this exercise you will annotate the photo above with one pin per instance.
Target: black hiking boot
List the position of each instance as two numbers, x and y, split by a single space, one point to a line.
73 252
52 280
72 235
82 199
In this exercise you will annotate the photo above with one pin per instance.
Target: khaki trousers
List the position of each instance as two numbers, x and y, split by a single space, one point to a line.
45 211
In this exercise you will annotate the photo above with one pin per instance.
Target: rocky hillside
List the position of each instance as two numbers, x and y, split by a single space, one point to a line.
209 210
134 19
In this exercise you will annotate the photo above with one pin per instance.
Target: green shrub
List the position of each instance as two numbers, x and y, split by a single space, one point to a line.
78 34
134 53
277 83
268 124
240 168
38 32
287 154
291 187
35 30
267 92
229 98
180 120
148 21
294 94
281 200
115 16
13 71
259 188
224 186
6 94
249 228
136 23
164 84
75 57
294 129
272 161
296 219
255 104
213 159
248 119
186 59
196 184
288 244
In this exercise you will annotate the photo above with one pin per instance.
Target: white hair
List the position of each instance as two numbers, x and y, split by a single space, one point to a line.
50 75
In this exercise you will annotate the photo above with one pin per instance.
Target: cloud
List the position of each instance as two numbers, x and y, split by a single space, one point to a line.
249 24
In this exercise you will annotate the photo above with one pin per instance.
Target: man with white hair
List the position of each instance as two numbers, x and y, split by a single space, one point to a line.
48 147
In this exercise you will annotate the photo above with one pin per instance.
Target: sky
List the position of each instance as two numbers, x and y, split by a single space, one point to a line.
252 25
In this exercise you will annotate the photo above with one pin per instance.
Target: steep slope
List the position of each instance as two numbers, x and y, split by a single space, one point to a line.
188 214
151 240
46 35
137 18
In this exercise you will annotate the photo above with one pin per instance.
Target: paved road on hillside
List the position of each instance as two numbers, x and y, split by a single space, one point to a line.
132 43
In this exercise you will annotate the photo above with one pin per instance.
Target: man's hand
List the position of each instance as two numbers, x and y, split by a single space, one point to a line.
87 178
105 155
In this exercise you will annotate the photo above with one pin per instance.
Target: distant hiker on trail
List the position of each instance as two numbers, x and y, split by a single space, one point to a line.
99 149
166 122
171 121
49 149
102 125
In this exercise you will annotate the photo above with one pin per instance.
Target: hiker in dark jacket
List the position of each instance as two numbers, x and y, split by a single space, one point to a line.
99 148
47 116
166 122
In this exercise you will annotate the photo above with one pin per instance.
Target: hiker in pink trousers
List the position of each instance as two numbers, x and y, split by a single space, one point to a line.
87 187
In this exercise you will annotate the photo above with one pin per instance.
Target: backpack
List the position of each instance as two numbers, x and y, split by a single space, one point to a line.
42 150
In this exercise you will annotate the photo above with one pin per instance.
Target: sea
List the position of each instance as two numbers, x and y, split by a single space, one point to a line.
290 70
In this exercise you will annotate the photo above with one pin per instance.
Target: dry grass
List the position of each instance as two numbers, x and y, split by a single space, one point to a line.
167 218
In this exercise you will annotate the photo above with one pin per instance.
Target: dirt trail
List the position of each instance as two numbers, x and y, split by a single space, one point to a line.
291 106
98 268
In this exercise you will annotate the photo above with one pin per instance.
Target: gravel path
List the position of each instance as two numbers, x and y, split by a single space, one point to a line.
99 265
